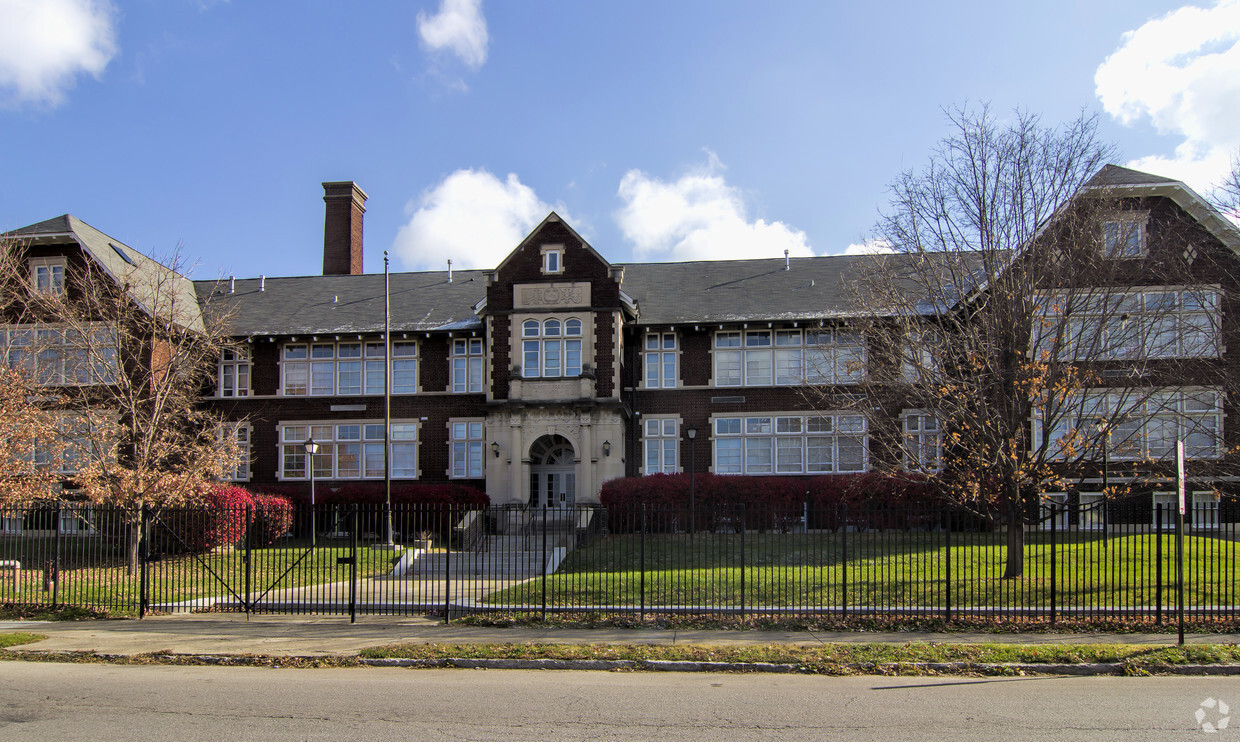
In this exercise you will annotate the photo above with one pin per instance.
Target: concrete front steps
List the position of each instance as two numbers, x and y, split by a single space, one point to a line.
516 557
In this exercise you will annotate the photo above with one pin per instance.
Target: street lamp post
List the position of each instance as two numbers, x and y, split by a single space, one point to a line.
311 449
1104 426
692 433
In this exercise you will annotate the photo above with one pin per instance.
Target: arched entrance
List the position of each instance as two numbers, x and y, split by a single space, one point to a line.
553 473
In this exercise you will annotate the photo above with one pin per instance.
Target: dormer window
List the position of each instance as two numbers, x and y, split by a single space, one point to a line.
553 259
1123 235
47 275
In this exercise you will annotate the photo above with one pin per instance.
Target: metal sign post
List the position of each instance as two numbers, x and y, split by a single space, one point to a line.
1179 536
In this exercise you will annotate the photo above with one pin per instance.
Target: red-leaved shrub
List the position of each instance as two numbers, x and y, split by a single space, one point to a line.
273 517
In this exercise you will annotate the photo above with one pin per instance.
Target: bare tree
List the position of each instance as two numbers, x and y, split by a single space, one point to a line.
128 353
1010 331
1226 195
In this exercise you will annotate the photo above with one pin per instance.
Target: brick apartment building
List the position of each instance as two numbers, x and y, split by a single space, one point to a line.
541 379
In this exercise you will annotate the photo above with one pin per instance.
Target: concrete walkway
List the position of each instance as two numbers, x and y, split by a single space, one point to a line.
219 634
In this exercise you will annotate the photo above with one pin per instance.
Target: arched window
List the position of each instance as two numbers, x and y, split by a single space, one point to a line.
551 349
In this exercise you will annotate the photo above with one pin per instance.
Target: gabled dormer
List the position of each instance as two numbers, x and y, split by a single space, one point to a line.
553 308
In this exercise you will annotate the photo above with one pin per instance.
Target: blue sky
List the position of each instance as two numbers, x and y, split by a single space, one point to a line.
660 130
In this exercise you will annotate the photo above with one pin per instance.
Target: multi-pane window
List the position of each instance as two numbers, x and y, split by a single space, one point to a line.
790 444
1124 237
239 434
47 275
919 362
660 352
1140 425
348 368
662 440
1120 325
550 348
1201 509
78 442
234 373
466 365
923 442
350 450
788 357
56 356
466 446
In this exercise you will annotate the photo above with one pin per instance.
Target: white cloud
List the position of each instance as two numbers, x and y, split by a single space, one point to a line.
869 247
698 217
45 44
1182 72
459 28
472 217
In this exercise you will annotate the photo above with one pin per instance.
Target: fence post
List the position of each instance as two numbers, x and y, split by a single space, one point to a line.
353 565
947 575
245 558
843 512
55 572
544 562
447 572
742 561
642 615
1054 570
144 525
1158 564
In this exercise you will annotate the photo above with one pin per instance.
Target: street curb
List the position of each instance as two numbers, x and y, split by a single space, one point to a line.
861 668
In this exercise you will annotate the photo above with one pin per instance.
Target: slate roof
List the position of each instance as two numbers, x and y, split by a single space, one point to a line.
421 302
1114 175
666 293
158 289
740 290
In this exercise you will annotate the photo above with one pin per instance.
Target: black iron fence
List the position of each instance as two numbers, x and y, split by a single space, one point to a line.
1080 561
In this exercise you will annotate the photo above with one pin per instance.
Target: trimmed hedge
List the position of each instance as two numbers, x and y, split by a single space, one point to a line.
219 520
371 493
273 517
869 500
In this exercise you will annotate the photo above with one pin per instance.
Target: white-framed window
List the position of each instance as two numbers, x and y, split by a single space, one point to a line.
1156 322
788 357
466 445
1058 501
239 433
1144 425
551 348
233 374
824 443
1201 511
47 275
923 441
1123 235
77 520
919 361
1090 508
348 450
60 356
466 365
552 259
661 438
347 368
78 443
660 360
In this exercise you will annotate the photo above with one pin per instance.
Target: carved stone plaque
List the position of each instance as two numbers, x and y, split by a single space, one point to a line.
544 295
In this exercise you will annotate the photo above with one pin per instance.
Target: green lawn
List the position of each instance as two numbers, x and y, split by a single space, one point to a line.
885 570
86 579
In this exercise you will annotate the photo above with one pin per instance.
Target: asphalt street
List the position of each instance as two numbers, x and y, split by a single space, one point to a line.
105 702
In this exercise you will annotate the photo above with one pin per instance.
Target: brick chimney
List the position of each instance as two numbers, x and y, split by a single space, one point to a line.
342 228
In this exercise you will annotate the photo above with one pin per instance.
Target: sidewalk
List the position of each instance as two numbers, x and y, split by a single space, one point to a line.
220 634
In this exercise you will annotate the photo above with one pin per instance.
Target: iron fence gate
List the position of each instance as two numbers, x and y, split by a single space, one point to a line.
1082 561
